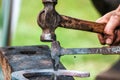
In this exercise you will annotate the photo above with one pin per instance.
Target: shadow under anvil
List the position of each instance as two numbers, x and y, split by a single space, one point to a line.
27 58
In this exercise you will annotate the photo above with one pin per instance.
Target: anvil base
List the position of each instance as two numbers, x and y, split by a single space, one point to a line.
14 59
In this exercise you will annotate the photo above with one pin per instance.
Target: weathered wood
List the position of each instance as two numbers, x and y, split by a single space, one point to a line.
78 24
25 58
6 69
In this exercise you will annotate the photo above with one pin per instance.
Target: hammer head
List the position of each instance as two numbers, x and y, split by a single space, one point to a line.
48 20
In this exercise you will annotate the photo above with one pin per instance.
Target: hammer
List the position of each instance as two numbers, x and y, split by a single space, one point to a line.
49 20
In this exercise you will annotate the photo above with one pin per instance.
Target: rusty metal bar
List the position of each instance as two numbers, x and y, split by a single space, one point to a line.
57 51
105 50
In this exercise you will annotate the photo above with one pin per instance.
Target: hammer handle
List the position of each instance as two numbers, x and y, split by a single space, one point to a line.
77 24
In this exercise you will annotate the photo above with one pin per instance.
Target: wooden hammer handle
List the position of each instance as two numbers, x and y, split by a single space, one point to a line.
77 24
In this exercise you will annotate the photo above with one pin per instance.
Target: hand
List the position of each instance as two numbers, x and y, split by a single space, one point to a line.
111 35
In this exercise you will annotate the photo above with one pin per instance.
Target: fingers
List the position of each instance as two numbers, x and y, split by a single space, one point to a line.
101 39
109 30
105 18
117 38
112 20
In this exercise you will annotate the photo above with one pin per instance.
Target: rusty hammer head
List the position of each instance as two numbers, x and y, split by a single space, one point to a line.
48 20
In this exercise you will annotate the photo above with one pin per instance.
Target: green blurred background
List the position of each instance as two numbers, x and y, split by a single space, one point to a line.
28 33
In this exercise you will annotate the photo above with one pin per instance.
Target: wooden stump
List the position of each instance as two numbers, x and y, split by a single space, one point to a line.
6 69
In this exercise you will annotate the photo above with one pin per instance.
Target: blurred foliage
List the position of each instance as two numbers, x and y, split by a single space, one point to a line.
0 1
1 13
28 33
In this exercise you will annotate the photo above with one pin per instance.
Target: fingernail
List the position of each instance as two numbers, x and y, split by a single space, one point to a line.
108 41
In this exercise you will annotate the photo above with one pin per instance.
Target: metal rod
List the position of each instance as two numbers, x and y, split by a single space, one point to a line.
24 74
104 50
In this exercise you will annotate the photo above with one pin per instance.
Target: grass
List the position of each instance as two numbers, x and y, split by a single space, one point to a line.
28 33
